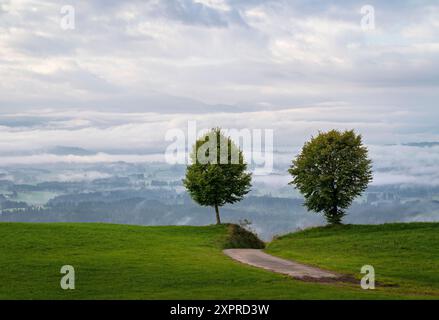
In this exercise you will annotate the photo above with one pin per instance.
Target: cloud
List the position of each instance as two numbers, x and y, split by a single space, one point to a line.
28 138
42 129
397 164
204 13
242 53
132 70
32 160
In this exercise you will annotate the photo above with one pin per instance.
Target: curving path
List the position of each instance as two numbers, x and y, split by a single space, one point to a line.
260 259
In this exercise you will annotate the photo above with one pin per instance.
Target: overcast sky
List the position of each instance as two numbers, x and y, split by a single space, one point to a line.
134 69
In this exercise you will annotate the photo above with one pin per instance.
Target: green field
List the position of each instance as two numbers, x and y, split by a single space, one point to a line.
402 254
135 262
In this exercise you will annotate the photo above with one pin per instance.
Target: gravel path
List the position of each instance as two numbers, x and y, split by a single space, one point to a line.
260 259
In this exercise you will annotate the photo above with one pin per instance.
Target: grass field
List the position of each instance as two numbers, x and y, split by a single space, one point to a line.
135 262
403 254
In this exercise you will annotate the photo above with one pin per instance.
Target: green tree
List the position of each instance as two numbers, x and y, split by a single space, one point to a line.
217 174
332 169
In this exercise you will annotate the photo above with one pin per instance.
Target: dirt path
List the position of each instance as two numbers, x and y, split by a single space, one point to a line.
260 259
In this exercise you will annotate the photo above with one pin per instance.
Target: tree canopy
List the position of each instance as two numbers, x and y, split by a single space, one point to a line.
218 173
331 171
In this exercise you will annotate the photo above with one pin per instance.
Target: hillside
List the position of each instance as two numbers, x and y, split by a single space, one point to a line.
173 262
403 254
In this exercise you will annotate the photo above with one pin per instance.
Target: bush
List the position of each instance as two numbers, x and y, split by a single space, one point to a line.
240 238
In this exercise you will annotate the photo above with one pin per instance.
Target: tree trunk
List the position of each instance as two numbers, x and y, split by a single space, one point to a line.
218 219
334 216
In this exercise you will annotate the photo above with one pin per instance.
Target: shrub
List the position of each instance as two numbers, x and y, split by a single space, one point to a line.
238 237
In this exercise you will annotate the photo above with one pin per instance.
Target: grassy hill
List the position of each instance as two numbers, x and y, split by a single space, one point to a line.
135 262
403 254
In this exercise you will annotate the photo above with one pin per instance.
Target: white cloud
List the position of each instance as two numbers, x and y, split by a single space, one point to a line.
216 51
26 138
74 159
132 70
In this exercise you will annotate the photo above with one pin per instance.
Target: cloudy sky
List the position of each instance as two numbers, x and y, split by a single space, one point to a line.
130 70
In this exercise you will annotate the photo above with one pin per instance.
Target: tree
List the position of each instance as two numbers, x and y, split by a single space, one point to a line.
332 169
217 174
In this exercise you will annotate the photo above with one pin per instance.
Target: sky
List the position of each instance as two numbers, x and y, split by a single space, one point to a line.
131 70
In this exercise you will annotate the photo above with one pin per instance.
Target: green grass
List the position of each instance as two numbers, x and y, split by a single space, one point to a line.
135 262
402 254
